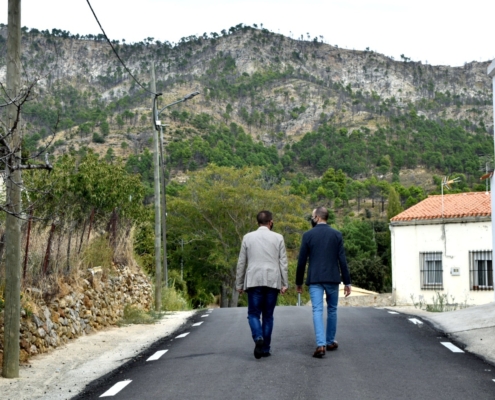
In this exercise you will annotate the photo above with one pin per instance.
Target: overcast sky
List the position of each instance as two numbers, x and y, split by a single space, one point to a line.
440 32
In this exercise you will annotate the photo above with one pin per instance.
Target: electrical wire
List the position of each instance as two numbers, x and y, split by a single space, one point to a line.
115 51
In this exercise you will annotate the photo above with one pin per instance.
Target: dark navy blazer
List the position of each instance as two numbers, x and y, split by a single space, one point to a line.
324 247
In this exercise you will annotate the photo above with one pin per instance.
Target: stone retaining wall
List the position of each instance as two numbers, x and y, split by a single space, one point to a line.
98 303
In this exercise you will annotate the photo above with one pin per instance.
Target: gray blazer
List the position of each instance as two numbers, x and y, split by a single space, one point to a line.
263 253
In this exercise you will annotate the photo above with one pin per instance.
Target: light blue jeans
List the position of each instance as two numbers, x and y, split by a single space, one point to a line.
316 293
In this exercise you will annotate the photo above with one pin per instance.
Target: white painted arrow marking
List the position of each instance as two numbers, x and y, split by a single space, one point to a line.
452 348
116 388
415 321
182 335
157 355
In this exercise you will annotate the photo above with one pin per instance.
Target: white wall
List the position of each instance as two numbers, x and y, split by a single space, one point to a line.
460 238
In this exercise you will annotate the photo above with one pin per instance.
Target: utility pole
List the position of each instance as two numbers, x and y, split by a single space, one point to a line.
156 171
12 312
491 73
164 208
164 182
182 260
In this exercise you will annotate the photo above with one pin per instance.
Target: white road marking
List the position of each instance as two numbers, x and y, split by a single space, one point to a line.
452 348
116 388
198 323
210 309
182 335
157 355
415 321
393 312
205 315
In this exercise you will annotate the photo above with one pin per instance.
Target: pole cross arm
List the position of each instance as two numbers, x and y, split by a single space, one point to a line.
185 98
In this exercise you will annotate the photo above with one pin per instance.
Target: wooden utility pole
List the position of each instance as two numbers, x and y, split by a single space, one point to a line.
10 368
156 170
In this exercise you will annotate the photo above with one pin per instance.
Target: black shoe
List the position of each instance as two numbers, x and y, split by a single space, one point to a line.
319 352
333 346
258 349
267 354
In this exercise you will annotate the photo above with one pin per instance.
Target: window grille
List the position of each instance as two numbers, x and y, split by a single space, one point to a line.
431 271
481 270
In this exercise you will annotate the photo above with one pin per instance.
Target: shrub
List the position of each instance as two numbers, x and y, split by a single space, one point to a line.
135 315
173 300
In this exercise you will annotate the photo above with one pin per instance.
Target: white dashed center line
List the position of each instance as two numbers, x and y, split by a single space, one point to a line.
393 312
205 315
182 335
115 388
198 323
157 355
452 348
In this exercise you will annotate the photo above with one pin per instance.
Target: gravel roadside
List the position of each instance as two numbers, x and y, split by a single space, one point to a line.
65 371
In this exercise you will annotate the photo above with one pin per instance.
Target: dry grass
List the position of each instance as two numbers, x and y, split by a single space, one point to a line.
136 315
67 266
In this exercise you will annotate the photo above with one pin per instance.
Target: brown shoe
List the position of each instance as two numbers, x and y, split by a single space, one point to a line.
319 352
333 346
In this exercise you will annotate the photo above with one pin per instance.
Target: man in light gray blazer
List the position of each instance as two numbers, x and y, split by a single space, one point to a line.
262 273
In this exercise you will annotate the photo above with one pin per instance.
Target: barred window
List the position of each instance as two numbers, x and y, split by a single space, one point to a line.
481 270
431 271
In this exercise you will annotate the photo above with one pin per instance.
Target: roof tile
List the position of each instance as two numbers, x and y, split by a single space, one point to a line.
473 204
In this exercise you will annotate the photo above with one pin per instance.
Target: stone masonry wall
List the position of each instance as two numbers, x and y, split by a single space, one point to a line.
98 303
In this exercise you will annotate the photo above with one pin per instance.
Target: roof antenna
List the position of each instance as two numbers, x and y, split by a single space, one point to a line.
446 182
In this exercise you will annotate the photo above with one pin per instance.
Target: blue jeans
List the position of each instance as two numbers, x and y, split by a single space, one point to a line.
316 294
261 304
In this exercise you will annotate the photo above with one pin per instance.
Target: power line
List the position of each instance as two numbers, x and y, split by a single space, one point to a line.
115 51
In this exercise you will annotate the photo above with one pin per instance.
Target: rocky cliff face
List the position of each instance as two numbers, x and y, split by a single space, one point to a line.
268 83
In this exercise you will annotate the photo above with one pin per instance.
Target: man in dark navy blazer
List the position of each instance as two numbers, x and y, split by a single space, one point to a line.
324 247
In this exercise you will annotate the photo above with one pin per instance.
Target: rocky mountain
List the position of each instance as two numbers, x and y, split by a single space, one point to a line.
276 88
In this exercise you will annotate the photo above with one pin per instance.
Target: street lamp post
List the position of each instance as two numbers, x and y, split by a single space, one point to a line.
164 184
491 73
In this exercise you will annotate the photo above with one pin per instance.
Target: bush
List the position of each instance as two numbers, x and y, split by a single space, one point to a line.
135 315
98 254
173 300
98 138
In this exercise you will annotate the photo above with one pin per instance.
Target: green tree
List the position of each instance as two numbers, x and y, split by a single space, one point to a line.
393 207
215 209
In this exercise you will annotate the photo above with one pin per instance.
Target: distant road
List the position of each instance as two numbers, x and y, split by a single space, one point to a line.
381 356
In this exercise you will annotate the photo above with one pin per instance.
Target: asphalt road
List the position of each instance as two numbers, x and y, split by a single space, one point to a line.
381 355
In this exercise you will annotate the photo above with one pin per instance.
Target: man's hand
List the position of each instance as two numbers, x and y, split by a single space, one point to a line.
299 289
347 290
240 291
283 290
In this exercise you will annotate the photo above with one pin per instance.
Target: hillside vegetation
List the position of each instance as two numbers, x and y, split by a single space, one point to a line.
352 130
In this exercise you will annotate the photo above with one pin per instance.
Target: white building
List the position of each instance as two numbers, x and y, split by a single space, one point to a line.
444 245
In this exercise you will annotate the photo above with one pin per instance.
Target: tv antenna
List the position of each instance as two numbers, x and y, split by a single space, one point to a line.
445 183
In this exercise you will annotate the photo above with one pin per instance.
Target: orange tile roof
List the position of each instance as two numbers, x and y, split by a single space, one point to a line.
473 204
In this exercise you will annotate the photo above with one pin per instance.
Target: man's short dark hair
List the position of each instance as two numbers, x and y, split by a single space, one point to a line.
322 213
264 217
